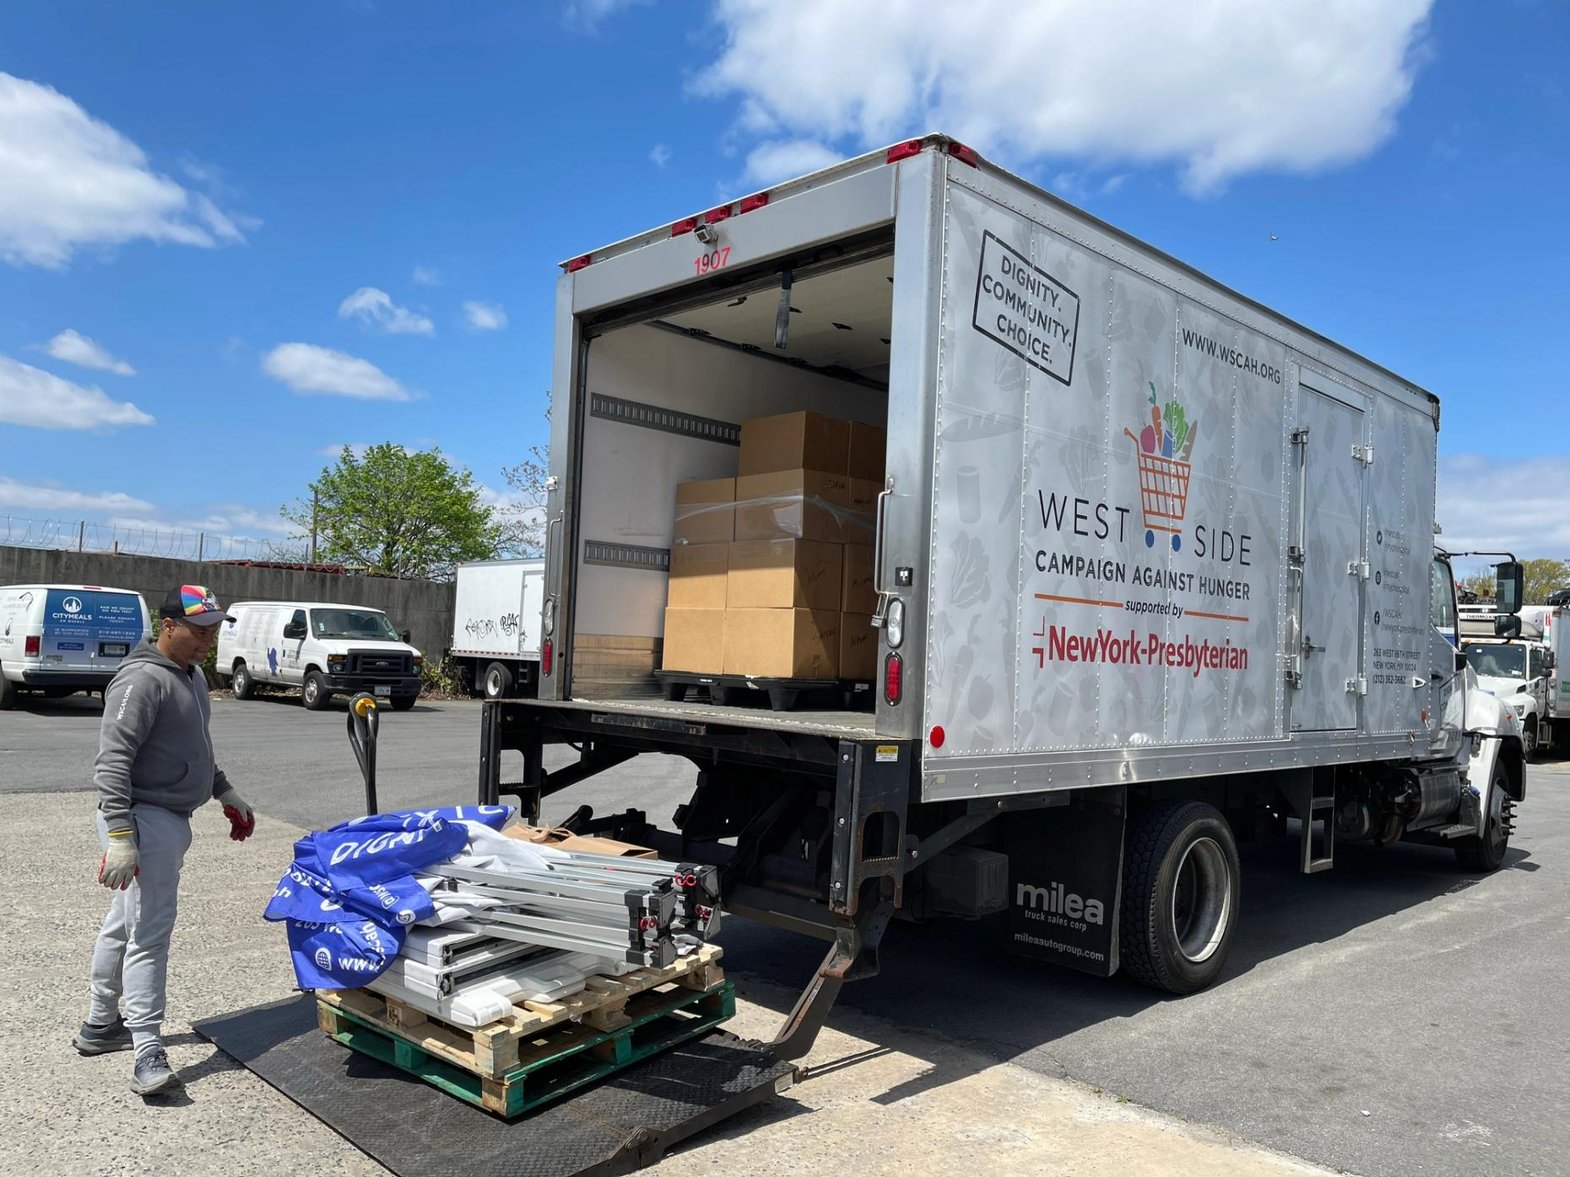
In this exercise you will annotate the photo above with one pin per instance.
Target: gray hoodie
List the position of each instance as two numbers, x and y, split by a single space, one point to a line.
154 747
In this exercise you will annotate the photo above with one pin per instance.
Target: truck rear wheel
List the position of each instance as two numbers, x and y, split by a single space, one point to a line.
1181 892
497 683
241 682
314 693
1486 853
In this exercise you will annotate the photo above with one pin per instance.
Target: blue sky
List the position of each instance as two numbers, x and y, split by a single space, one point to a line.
275 229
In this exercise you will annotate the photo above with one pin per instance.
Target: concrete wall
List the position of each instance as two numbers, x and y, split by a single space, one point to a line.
423 607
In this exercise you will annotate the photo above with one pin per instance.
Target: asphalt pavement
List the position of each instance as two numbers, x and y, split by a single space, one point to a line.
1393 1016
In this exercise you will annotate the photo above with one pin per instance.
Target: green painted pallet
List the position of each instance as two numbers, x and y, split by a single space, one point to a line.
556 1063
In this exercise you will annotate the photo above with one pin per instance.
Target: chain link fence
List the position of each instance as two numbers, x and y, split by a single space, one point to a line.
134 539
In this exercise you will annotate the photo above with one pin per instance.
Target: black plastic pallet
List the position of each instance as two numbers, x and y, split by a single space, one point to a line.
781 694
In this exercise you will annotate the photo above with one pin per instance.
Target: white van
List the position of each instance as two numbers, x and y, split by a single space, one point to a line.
60 638
324 649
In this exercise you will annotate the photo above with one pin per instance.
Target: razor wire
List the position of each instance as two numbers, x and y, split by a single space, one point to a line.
138 539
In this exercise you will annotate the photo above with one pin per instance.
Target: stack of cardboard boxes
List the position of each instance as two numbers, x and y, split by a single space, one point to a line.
771 571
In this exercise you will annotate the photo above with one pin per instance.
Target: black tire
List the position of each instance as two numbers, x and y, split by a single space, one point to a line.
8 693
1486 853
241 682
496 682
314 693
1181 893
403 702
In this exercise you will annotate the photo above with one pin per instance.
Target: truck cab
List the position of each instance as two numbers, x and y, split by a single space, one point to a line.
1521 671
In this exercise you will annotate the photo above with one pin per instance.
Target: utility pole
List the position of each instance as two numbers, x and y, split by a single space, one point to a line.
313 524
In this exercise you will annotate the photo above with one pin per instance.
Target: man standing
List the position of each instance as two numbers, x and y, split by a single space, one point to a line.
155 768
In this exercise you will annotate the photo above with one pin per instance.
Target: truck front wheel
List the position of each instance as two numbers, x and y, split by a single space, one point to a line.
497 683
241 682
1486 853
314 693
1181 892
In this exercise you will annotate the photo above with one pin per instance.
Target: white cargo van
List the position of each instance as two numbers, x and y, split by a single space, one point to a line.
60 638
324 649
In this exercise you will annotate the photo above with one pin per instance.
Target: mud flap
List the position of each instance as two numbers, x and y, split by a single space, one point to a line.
1065 882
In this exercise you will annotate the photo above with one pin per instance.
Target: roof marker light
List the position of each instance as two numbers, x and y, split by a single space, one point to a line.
964 154
756 201
686 226
577 264
716 215
904 150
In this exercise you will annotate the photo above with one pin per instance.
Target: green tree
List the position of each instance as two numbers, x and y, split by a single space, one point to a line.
1481 583
523 521
397 513
1543 577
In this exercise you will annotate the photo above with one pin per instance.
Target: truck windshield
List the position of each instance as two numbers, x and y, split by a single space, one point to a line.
1500 661
364 624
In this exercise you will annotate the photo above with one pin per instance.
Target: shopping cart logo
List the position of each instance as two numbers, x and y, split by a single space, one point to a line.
1163 448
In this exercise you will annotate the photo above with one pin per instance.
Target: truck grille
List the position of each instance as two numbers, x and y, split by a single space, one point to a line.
380 664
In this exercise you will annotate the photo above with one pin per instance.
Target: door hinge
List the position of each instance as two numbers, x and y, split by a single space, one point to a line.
1359 569
1357 686
1363 454
1295 556
1300 435
551 483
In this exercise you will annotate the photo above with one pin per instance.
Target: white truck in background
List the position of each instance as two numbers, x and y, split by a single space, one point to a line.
496 626
1524 672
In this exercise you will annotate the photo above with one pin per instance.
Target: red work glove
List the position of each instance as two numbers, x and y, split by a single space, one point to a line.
242 818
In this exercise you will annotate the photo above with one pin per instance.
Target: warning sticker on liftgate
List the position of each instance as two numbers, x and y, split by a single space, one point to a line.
887 754
1025 309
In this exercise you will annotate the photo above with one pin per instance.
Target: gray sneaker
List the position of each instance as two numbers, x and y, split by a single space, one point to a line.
91 1039
153 1073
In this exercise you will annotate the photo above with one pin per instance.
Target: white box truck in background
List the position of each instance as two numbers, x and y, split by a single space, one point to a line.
496 626
1526 673
1154 565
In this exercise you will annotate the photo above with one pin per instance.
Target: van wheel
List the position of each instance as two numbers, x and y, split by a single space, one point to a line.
497 683
7 693
403 702
1181 893
314 693
1487 853
241 682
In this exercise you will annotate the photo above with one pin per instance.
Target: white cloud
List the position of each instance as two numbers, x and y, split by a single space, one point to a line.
584 16
1493 504
31 396
357 448
1219 87
375 308
660 155
307 368
426 276
484 316
85 353
20 496
72 181
785 159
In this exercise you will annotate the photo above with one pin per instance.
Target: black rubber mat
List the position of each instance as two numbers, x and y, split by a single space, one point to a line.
619 1125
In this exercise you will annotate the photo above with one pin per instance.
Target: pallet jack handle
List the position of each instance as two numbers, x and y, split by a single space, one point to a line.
363 723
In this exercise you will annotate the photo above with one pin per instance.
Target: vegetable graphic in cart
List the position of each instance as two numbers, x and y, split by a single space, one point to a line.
1163 479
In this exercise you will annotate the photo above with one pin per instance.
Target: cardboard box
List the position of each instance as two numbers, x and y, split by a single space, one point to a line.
868 445
698 576
705 511
794 504
856 592
858 647
782 643
692 640
795 441
785 574
567 840
859 524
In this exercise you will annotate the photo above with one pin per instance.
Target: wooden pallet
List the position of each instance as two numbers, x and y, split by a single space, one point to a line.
494 1049
549 1065
780 694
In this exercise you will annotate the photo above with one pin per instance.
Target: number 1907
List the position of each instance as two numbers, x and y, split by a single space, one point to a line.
706 263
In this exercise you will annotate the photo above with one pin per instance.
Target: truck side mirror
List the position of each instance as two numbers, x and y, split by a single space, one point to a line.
1549 661
403 636
293 630
1509 587
1461 660
1507 626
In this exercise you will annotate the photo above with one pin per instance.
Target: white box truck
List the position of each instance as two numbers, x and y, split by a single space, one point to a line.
1154 564
1524 672
56 639
496 625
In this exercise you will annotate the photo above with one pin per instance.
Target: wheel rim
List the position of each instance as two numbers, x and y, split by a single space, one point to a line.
493 683
240 681
310 691
1201 900
1498 821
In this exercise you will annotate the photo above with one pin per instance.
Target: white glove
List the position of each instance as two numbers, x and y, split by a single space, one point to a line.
119 864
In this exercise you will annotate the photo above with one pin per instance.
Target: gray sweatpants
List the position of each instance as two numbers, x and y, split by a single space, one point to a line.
132 953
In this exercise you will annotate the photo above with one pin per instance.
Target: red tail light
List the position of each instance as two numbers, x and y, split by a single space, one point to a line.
893 679
936 737
547 656
30 647
904 150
